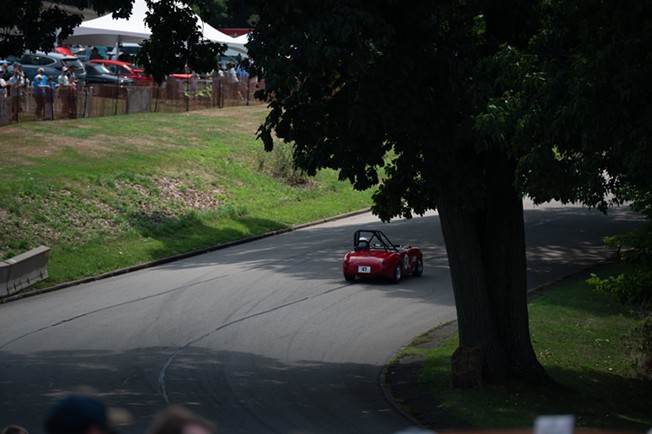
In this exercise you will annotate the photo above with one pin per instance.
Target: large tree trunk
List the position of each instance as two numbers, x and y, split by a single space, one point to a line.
506 271
475 318
486 253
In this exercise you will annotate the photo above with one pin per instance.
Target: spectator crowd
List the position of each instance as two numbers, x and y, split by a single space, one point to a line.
15 85
47 97
84 414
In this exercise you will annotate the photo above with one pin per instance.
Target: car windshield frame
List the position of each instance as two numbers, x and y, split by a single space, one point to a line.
376 239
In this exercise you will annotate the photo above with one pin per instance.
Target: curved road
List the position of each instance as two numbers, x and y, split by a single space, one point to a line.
265 337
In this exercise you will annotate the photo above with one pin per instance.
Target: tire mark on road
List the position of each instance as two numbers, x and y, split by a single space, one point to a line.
168 362
102 309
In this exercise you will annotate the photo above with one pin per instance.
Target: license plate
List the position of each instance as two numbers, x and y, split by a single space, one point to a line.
364 269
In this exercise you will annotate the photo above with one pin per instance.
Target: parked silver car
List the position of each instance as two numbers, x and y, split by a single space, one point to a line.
52 63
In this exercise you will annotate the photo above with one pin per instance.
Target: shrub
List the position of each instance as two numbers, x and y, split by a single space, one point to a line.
635 285
280 164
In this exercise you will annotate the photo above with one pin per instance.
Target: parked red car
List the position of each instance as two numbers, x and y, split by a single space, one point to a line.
374 255
125 69
180 76
65 51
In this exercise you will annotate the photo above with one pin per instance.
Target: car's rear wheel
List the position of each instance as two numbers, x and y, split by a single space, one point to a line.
418 270
349 277
398 273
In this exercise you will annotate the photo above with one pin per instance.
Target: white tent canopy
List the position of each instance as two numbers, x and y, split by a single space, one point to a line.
242 39
107 31
212 34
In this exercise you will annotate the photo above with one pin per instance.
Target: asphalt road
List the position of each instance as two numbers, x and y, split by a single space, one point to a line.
265 337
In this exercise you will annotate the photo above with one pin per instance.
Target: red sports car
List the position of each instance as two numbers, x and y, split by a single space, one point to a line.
126 70
374 255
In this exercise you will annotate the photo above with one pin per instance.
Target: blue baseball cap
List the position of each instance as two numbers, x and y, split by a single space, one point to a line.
75 414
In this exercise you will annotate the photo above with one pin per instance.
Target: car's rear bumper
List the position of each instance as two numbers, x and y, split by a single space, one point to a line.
367 267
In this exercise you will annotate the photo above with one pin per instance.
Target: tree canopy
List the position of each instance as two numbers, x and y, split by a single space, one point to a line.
230 13
465 107
593 104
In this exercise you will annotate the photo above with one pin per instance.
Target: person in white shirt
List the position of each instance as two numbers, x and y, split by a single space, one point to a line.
233 76
16 83
232 79
63 77
72 92
64 89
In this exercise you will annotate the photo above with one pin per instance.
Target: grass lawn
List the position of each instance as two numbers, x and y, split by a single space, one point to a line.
105 193
579 337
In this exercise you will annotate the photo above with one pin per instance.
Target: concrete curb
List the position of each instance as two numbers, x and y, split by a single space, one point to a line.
395 402
178 257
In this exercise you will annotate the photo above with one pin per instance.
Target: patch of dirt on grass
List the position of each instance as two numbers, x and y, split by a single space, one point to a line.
100 221
45 234
79 222
17 155
101 145
241 123
169 131
229 111
4 217
62 216
175 189
41 145
15 230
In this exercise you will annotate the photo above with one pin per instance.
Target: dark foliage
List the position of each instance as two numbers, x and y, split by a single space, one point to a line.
176 41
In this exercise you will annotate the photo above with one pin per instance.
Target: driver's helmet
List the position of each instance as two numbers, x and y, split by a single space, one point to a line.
363 243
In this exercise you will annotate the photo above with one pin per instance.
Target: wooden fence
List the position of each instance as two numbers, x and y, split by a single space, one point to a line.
110 100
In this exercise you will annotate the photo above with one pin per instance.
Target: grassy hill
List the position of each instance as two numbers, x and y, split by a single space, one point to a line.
112 192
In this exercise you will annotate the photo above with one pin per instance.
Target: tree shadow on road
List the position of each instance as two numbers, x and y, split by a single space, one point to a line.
561 241
242 392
